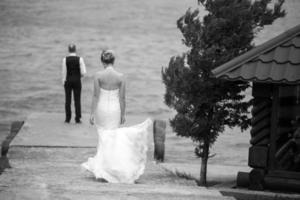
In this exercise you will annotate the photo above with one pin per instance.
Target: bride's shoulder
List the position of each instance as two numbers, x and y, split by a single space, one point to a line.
120 75
98 75
101 73
104 74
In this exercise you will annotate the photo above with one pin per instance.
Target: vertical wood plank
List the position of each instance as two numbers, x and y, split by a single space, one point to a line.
274 120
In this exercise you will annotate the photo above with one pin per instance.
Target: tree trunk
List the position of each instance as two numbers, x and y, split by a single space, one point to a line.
204 159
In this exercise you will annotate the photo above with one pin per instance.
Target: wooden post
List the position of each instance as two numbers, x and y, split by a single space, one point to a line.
274 120
256 179
159 136
242 179
260 137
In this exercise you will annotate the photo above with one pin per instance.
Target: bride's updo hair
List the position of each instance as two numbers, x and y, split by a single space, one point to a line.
108 57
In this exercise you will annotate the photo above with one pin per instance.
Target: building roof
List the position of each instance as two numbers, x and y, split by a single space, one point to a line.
275 61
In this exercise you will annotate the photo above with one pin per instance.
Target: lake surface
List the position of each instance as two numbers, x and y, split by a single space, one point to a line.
34 35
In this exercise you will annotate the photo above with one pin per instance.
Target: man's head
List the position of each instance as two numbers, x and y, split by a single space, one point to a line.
72 48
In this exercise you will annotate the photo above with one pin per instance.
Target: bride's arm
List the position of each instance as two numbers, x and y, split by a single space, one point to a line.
95 98
122 99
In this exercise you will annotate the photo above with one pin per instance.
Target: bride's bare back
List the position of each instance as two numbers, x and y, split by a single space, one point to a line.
110 79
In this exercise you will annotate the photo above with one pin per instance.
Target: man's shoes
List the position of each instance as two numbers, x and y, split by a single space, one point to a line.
67 121
78 122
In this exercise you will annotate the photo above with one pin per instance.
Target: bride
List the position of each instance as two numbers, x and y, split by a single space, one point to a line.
121 152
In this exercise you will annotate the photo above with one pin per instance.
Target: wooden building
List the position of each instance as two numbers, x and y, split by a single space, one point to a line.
274 70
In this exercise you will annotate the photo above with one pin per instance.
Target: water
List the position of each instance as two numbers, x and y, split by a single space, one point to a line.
34 35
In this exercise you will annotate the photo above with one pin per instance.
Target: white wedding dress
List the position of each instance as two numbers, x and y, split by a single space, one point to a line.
121 152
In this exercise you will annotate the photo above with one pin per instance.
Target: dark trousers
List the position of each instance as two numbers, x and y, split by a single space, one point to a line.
74 87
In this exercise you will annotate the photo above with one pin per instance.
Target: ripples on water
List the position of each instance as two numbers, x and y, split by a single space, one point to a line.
34 35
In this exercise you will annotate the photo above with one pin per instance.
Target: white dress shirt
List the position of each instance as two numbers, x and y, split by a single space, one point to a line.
64 67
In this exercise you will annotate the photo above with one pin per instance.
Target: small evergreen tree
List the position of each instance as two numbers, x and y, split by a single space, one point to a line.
204 104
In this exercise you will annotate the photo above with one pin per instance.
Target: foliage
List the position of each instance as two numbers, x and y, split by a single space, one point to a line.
204 104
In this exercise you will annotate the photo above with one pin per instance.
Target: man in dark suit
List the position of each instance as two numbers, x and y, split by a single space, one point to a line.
73 68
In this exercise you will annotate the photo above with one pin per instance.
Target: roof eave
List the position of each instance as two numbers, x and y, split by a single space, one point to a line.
255 79
242 59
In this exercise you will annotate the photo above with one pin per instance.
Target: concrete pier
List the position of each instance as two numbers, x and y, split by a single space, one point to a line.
46 154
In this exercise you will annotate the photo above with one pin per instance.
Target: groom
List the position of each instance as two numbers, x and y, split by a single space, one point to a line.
73 68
